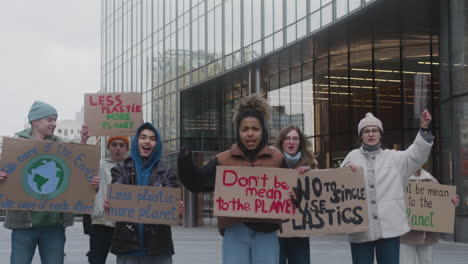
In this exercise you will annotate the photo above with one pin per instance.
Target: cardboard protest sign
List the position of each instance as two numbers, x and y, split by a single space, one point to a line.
113 114
429 207
48 176
332 201
143 204
254 192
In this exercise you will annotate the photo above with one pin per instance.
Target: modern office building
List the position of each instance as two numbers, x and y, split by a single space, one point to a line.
321 63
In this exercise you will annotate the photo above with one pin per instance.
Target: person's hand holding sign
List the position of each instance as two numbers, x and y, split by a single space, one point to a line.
3 176
95 182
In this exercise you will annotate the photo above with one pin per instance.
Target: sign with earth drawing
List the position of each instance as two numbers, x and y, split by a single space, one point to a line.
48 176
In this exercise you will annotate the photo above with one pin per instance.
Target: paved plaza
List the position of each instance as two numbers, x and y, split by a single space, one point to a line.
202 245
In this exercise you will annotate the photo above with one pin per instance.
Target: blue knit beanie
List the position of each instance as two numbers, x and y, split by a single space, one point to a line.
40 110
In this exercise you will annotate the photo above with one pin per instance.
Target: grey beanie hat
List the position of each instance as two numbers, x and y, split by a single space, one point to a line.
40 110
369 120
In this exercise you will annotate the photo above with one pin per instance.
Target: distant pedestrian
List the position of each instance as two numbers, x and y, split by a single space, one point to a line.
298 155
386 173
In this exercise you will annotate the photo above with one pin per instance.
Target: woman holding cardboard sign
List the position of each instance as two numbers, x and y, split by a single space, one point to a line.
245 240
386 173
416 246
297 154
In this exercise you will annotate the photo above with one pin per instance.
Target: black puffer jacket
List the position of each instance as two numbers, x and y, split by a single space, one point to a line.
157 238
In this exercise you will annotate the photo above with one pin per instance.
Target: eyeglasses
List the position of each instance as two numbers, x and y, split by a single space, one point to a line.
293 139
369 131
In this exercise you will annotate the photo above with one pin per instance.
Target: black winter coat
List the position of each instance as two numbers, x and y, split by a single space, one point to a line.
157 238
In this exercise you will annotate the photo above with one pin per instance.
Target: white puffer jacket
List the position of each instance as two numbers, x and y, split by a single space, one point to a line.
386 173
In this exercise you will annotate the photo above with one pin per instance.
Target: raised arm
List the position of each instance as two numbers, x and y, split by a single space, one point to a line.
194 178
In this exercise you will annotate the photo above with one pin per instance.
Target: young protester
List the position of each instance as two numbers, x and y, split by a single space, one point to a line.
245 240
143 243
298 155
386 173
416 246
31 229
102 231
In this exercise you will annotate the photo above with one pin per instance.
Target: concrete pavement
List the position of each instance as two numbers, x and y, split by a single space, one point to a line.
202 245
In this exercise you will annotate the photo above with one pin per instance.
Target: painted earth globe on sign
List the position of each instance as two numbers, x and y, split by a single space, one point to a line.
45 176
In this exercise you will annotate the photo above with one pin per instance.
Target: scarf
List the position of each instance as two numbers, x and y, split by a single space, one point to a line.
293 161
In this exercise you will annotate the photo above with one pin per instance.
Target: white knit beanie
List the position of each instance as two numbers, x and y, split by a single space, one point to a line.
369 120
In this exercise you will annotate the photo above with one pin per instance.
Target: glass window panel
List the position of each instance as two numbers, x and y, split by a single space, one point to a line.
201 39
273 101
210 35
354 4
308 107
247 22
416 83
236 22
218 37
257 50
327 15
291 33
341 8
210 4
257 20
324 2
315 21
278 18
302 28
279 39
291 12
284 107
301 8
314 5
297 115
195 45
268 10
228 27
167 11
268 44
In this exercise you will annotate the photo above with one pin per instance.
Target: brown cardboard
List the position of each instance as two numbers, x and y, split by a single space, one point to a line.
233 198
113 114
323 212
429 207
48 176
253 192
143 204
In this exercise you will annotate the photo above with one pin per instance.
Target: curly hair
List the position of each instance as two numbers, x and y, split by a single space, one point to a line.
254 104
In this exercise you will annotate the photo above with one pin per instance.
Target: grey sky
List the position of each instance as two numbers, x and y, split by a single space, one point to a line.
49 51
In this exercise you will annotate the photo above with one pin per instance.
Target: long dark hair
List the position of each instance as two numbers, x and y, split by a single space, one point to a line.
304 146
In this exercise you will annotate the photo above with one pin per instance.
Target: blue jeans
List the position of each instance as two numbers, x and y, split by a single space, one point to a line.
387 251
294 249
50 240
242 245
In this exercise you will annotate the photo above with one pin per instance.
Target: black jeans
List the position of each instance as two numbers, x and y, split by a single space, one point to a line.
387 251
100 243
295 250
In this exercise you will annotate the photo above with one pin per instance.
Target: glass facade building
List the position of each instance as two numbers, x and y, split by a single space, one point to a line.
321 63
